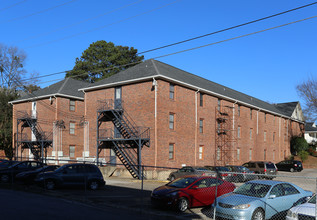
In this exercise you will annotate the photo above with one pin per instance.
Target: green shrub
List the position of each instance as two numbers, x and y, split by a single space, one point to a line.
303 155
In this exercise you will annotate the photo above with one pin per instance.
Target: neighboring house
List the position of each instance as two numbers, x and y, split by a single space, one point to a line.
50 123
158 115
311 132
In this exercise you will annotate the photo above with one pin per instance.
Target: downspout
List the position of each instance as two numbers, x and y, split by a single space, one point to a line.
85 130
196 122
59 130
155 121
234 151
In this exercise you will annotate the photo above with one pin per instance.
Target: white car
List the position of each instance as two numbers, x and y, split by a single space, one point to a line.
304 211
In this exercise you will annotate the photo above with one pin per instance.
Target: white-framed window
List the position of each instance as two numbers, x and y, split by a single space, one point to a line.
201 125
72 105
264 135
171 150
201 152
71 151
251 133
172 91
218 153
201 99
72 128
250 154
239 132
238 153
171 120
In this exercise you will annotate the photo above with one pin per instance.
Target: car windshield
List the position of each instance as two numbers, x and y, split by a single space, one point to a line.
225 169
202 169
182 182
312 200
270 166
253 189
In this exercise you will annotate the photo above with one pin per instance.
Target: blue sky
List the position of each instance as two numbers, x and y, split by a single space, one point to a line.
267 65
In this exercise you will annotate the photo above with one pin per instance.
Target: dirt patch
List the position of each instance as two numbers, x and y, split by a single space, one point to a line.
311 162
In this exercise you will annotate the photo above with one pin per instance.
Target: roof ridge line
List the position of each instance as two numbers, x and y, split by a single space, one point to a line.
60 89
155 67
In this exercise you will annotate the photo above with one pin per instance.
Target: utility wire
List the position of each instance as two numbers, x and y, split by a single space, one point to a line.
102 27
36 13
77 23
234 38
13 5
230 28
182 51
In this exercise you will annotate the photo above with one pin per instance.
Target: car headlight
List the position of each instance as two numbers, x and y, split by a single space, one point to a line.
242 206
172 194
292 214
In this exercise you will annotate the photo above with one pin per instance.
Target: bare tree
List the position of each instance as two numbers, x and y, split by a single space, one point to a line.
308 92
11 66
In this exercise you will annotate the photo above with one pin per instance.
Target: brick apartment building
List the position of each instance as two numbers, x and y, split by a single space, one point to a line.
158 115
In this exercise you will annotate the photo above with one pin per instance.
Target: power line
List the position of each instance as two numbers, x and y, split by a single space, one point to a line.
194 48
234 38
80 22
102 27
36 13
230 28
13 5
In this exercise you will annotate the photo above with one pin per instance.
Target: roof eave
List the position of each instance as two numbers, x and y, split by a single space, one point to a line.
46 96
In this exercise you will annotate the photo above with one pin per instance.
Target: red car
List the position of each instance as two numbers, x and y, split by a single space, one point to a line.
190 191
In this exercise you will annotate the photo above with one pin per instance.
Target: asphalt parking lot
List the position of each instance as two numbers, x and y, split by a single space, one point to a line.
131 194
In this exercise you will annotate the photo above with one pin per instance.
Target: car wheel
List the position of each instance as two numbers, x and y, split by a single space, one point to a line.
93 185
182 204
50 184
292 170
5 178
258 214
172 178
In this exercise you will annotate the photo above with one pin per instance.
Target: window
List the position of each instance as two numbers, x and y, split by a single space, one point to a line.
265 117
239 131
238 154
71 128
251 133
273 154
250 154
219 104
171 121
238 110
172 91
72 105
218 153
171 152
251 114
264 135
201 99
71 151
273 137
201 152
264 154
201 125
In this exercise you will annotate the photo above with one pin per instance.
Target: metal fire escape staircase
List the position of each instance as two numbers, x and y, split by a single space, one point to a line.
42 140
124 138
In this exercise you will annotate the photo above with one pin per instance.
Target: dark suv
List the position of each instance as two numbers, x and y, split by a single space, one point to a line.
290 165
78 174
268 169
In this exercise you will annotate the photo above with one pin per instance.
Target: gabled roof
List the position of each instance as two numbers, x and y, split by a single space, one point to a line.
150 69
310 127
287 107
65 88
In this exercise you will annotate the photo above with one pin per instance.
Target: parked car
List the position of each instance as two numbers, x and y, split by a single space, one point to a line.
10 172
222 172
268 169
189 170
303 211
290 165
28 177
78 174
191 191
7 163
260 199
241 173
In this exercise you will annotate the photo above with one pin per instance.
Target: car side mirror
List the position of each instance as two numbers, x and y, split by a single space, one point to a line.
272 196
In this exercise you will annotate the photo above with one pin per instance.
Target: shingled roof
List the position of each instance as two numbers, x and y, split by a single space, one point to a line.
310 127
150 69
66 88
